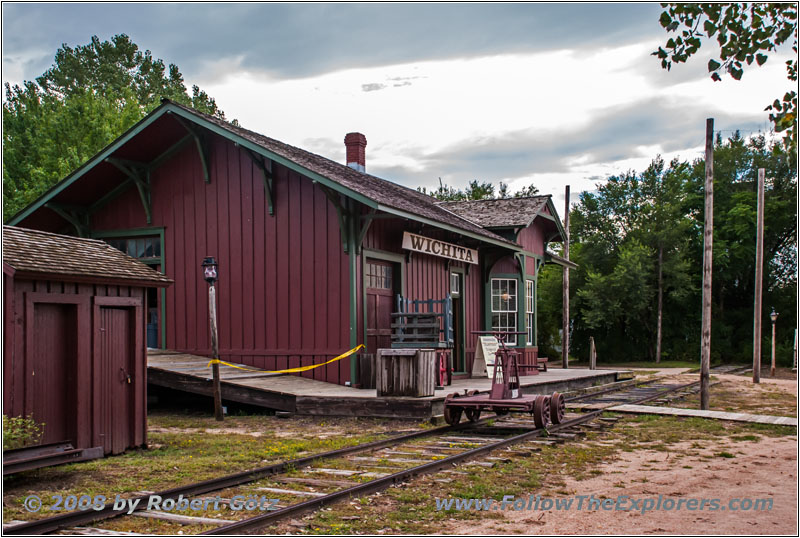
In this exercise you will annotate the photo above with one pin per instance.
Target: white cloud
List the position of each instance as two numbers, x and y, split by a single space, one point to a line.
451 103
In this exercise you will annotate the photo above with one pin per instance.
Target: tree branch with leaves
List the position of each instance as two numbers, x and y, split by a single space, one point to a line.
746 33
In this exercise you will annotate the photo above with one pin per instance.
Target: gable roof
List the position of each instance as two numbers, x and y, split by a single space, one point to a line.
372 191
34 251
499 213
382 191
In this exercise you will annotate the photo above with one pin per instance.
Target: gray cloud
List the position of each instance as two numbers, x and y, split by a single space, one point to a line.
372 87
612 136
298 40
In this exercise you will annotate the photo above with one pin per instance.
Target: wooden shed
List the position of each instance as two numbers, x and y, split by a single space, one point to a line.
74 338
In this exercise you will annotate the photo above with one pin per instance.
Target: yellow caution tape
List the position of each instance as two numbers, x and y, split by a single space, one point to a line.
289 370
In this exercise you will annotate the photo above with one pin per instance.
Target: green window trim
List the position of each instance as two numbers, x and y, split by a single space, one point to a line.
162 261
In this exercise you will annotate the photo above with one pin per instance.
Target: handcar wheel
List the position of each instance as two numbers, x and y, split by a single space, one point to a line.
473 414
500 411
452 415
541 411
557 408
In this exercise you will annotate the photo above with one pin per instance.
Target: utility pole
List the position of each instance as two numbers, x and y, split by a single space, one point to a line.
708 235
759 269
565 299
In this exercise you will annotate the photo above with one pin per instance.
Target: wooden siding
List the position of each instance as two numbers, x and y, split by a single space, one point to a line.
532 237
428 277
284 279
41 312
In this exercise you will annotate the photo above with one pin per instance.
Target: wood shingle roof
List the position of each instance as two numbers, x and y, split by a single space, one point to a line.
37 252
500 213
380 190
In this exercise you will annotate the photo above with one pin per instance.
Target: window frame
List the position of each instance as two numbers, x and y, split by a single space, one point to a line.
530 310
504 311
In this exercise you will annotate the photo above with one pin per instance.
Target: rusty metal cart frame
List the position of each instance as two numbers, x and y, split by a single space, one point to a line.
506 393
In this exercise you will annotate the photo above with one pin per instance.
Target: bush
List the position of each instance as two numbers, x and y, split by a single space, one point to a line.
19 432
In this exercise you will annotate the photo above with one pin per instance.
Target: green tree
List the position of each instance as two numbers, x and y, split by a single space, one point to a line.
475 191
525 192
88 97
629 239
616 236
745 33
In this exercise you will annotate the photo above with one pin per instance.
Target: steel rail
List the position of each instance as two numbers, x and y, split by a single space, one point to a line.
258 522
78 517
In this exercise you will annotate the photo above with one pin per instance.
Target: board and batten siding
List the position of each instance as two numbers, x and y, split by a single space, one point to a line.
284 280
47 320
427 277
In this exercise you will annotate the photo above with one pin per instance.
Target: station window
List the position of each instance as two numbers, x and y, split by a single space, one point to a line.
455 283
378 276
145 249
504 306
529 306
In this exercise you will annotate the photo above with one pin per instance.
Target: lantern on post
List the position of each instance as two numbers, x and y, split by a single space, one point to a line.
774 317
210 274
210 270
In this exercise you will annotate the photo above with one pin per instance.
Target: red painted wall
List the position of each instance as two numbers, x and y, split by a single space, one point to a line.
284 281
31 387
427 277
532 237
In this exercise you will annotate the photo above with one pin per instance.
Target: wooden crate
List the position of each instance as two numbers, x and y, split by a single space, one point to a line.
406 372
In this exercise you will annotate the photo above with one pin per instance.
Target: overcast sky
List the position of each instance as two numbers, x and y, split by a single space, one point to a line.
550 94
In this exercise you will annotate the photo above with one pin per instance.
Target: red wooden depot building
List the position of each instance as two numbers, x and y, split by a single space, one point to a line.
311 252
73 342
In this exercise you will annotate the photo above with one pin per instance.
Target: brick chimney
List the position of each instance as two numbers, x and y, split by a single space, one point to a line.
356 153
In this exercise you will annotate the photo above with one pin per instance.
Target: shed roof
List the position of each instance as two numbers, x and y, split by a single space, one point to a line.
34 251
499 213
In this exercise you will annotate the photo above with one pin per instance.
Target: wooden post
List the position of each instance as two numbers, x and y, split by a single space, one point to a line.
592 354
660 300
759 267
708 234
565 298
212 311
772 367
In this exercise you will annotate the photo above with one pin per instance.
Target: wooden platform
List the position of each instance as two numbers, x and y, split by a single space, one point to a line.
719 415
304 396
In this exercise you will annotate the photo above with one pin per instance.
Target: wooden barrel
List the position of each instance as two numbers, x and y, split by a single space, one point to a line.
406 372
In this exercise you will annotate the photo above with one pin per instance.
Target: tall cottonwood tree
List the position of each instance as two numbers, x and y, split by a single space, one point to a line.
89 96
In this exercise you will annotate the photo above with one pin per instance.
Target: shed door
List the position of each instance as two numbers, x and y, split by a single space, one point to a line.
52 373
379 284
117 378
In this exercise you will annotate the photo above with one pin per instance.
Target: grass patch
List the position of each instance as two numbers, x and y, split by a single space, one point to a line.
180 452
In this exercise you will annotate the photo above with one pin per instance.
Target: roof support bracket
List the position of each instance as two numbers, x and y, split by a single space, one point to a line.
520 257
366 221
140 175
342 213
266 175
201 146
78 217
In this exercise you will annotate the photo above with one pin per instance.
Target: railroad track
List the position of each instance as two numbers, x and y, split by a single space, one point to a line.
313 482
